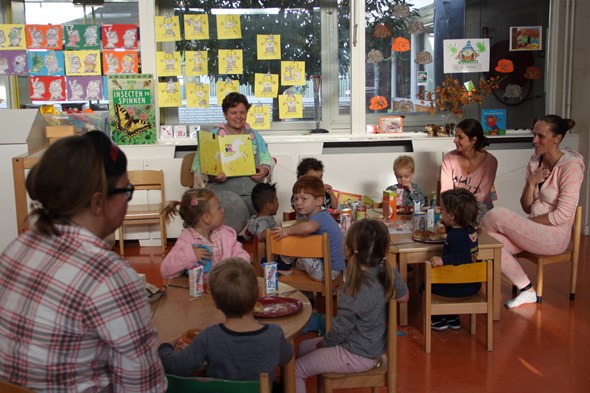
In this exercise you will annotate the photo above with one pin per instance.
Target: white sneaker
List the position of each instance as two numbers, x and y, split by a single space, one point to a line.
523 298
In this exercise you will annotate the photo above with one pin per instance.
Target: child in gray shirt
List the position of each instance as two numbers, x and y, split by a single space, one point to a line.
266 204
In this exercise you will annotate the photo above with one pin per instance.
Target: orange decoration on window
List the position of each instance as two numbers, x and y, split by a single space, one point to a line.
532 72
505 66
382 30
378 103
401 44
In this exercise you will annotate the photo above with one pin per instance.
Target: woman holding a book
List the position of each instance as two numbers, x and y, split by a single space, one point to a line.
234 192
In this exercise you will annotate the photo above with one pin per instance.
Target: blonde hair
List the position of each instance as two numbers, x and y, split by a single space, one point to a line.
191 207
404 162
367 242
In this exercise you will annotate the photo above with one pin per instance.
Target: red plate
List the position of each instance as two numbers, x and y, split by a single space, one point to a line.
277 306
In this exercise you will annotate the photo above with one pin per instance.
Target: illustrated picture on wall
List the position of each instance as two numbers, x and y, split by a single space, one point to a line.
422 78
526 38
391 124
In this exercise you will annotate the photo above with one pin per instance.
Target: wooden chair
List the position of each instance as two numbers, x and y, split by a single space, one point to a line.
213 385
289 216
385 374
257 249
311 246
571 255
7 387
187 179
475 304
147 213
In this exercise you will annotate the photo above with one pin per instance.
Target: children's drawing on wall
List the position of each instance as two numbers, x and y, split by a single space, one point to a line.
90 64
167 28
46 63
53 37
47 88
82 62
56 90
259 117
197 95
266 85
12 37
466 55
91 37
228 27
422 78
130 38
35 36
231 61
168 63
196 62
290 106
196 27
292 73
83 88
525 38
129 63
224 88
81 37
13 62
169 94
269 47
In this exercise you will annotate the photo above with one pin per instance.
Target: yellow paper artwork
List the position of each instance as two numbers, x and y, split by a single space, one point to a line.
196 27
12 37
224 88
269 47
290 106
169 94
197 95
292 73
82 62
196 62
167 28
231 61
259 117
266 85
168 63
228 27
230 154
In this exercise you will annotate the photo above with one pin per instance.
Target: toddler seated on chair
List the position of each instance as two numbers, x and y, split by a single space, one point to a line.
403 169
266 204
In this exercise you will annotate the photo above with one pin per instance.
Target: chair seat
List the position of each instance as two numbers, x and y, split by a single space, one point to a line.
377 371
305 283
144 211
465 305
547 259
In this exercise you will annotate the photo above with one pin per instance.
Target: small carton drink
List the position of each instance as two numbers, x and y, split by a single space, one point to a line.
389 205
196 281
271 278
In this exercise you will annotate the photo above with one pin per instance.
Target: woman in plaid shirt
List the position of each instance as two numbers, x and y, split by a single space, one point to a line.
73 314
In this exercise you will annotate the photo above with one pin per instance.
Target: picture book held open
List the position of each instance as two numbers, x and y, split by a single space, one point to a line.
230 154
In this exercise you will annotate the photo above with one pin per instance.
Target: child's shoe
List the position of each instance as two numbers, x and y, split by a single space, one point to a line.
284 268
453 322
439 323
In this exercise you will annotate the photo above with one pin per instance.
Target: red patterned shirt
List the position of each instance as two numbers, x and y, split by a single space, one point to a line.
74 317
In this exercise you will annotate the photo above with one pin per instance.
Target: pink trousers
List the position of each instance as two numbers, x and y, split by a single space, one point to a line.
518 233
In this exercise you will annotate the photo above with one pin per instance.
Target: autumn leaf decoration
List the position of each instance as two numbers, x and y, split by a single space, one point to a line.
378 103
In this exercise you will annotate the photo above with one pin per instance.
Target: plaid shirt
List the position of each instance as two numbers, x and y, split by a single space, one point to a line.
74 317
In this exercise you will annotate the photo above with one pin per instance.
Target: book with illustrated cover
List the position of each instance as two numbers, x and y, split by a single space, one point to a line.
493 121
230 154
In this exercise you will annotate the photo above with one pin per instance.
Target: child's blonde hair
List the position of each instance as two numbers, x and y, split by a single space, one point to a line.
367 242
234 286
193 204
404 162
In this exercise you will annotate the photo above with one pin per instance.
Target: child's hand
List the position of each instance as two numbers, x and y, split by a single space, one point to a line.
201 254
280 233
436 261
221 178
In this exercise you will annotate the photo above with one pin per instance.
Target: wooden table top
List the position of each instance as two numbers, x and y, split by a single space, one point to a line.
401 243
174 313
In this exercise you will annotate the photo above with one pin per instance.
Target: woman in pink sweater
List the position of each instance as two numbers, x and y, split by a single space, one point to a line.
470 166
550 197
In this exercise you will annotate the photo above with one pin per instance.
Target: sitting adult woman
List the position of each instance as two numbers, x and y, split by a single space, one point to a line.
73 315
470 166
550 197
235 192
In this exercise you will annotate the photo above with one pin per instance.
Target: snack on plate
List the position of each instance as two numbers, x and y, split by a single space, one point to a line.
430 236
258 307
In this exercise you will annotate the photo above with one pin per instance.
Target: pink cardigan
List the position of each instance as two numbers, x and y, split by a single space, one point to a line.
479 182
182 254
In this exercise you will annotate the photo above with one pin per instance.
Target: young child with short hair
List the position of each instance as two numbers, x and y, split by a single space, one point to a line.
358 336
309 194
313 167
266 204
240 348
403 169
459 212
204 239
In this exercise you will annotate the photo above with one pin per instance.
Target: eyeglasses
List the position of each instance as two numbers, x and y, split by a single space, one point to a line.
128 191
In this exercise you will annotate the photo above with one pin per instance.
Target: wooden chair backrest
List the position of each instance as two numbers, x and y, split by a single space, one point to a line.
212 385
461 274
147 179
310 246
187 178
7 387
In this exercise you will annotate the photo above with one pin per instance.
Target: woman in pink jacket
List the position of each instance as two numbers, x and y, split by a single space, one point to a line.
550 197
204 239
470 166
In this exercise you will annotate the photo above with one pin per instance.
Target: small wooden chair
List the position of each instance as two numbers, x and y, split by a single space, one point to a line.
385 374
571 255
475 304
187 179
311 246
256 248
147 213
7 387
213 385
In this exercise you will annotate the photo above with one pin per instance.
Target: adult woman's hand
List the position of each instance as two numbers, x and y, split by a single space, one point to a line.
220 178
261 174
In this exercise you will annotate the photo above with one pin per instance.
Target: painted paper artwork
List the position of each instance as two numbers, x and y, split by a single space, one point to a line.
197 95
290 106
168 63
422 78
196 27
13 62
132 111
259 117
268 47
224 88
169 94
84 88
266 85
526 38
292 73
391 124
196 63
82 62
78 37
228 27
44 36
466 55
117 62
12 37
47 88
167 28
120 36
231 61
46 62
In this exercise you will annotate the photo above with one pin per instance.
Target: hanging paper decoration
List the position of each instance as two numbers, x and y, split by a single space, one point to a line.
505 66
374 56
378 103
415 27
401 44
512 91
405 106
423 57
382 30
401 10
532 72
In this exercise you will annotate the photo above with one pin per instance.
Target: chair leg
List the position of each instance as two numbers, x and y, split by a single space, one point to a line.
573 280
121 241
540 282
163 236
473 323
